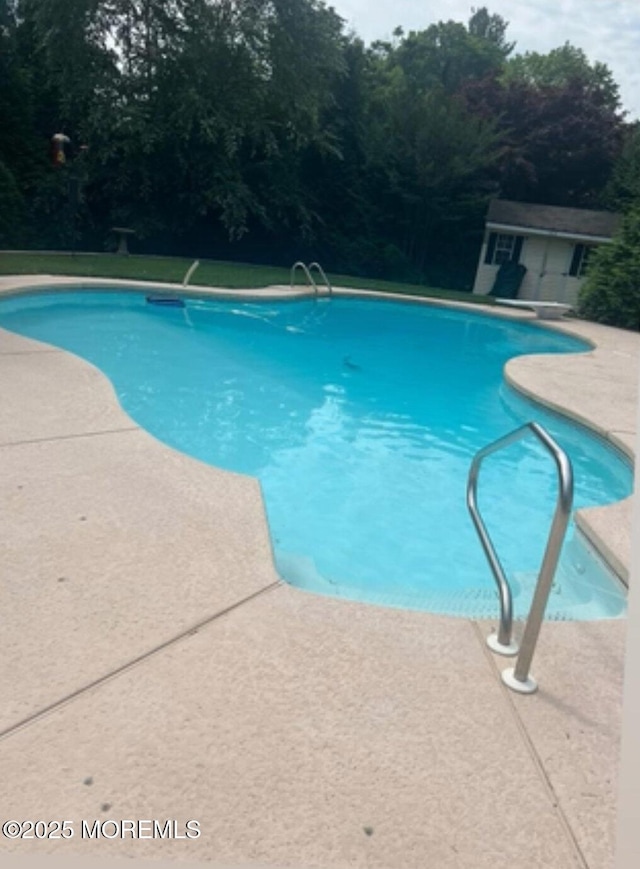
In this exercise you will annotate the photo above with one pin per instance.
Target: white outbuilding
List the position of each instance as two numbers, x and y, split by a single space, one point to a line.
543 250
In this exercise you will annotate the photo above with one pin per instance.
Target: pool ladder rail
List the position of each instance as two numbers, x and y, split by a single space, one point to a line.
307 270
518 678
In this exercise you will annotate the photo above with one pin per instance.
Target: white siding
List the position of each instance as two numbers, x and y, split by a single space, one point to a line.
572 289
533 251
553 282
485 275
550 280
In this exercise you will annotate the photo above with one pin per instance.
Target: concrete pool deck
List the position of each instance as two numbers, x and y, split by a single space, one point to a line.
156 667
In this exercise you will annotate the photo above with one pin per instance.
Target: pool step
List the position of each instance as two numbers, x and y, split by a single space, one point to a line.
301 571
579 591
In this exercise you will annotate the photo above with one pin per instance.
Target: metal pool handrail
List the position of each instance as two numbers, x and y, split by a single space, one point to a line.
320 270
194 265
310 281
518 678
307 271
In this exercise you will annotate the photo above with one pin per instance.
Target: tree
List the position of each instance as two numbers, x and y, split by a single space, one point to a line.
611 291
562 67
194 110
623 189
492 28
67 41
12 209
446 55
257 129
559 143
430 158
21 162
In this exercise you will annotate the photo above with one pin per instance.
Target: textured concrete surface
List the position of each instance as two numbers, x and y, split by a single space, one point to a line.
85 400
572 726
609 529
155 667
114 543
313 721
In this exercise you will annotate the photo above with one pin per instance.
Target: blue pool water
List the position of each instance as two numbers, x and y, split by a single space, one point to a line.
360 418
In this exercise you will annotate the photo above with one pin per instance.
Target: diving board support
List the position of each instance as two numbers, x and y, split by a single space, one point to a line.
518 678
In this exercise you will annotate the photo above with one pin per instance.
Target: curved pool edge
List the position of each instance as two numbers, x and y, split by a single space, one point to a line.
597 388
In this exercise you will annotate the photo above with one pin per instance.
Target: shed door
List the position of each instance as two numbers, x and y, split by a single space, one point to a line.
548 264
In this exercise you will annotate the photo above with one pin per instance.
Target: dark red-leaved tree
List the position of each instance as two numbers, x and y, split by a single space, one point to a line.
559 142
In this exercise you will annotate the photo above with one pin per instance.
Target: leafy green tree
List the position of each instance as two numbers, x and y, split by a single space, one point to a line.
623 189
340 186
445 55
431 158
305 58
193 110
492 28
425 159
15 131
562 67
69 54
12 209
611 291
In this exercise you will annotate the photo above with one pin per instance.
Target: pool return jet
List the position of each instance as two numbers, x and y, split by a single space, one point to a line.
518 678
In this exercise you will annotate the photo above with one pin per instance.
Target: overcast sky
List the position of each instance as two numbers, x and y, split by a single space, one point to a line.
606 30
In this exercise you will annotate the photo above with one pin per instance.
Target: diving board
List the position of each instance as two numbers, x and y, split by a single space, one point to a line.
543 310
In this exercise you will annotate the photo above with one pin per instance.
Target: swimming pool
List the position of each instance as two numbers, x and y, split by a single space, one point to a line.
360 418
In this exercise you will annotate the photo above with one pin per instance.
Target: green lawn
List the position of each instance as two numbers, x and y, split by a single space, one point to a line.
210 273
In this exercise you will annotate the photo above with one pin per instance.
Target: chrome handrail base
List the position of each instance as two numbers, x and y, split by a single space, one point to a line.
529 686
508 650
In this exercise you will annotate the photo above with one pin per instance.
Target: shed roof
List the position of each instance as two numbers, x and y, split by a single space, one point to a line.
552 218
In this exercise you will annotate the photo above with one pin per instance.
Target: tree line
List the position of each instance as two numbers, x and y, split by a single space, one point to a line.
262 130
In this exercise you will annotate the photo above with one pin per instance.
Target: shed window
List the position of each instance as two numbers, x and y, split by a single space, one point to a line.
580 260
502 248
